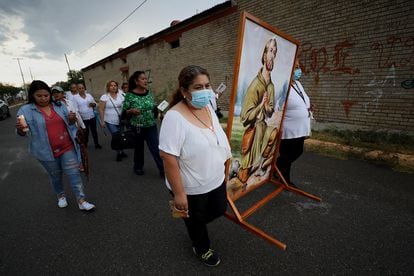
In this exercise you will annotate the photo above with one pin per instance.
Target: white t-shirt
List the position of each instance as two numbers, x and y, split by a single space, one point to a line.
82 104
73 108
297 121
69 95
113 107
201 153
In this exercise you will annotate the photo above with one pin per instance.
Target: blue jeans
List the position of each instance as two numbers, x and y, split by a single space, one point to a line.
112 128
150 135
67 163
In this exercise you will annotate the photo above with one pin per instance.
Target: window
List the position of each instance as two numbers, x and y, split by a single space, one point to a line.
175 44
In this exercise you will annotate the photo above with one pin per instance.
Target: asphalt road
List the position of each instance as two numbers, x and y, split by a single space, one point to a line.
363 226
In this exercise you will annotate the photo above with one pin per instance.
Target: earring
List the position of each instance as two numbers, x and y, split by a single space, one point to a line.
184 97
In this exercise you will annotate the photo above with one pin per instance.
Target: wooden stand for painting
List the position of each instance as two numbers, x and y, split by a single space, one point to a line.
280 184
239 218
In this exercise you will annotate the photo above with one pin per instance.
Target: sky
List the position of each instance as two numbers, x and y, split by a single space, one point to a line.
40 32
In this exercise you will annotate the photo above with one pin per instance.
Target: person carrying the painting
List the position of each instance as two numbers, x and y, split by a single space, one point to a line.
296 125
258 141
195 148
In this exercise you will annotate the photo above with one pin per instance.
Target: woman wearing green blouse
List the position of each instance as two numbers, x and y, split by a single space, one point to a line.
139 106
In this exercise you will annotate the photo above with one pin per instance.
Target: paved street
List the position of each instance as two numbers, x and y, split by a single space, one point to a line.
363 226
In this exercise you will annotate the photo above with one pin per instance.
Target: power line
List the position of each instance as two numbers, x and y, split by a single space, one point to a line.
99 40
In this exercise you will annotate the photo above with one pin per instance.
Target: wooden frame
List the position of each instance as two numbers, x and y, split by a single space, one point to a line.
254 155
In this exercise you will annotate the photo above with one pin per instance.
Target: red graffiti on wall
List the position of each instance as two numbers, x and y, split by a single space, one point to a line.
389 52
340 56
347 103
320 60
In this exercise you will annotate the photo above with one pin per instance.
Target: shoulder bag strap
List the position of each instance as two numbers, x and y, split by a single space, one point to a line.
116 109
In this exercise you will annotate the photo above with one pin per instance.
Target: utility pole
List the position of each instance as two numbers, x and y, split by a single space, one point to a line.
31 75
67 62
21 72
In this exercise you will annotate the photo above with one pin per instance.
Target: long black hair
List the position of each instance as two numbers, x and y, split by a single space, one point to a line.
132 80
37 85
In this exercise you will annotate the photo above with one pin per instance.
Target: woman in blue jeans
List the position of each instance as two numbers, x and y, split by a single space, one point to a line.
110 109
52 131
139 106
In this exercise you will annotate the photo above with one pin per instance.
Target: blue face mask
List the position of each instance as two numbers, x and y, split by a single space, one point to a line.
201 98
297 74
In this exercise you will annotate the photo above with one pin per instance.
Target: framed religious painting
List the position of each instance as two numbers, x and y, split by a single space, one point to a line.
262 76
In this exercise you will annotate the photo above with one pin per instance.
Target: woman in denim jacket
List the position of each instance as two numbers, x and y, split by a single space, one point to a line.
52 130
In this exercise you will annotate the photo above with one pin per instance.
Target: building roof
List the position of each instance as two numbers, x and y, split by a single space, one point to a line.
171 33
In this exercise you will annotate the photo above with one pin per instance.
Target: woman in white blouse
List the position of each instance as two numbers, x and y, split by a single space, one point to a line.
194 149
110 108
296 125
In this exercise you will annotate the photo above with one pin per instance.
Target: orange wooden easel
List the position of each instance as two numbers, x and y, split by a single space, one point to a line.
239 218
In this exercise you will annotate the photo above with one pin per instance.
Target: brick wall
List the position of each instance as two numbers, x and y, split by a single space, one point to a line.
96 79
357 56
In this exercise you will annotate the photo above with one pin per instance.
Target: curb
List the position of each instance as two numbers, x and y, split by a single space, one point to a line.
405 161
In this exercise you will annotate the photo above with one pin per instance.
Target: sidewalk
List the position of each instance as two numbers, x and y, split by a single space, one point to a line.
404 161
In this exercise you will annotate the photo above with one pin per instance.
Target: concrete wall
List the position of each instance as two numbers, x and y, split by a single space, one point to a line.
357 56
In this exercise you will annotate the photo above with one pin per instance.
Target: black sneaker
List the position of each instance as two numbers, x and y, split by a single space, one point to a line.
118 157
139 171
123 155
209 258
97 146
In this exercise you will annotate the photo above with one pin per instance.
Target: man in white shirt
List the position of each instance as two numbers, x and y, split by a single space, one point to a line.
73 91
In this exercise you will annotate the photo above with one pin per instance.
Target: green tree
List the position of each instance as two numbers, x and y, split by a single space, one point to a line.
75 76
64 84
8 90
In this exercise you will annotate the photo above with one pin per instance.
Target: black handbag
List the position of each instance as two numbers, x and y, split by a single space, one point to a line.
124 139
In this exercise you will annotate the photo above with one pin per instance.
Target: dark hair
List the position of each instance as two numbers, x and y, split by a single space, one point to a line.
185 79
124 83
266 48
35 86
131 81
